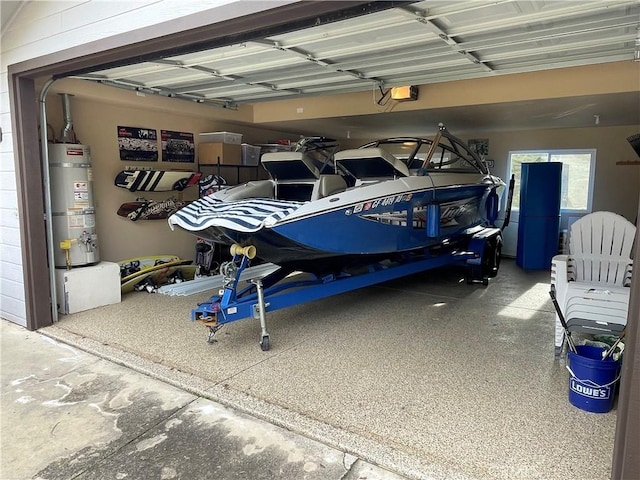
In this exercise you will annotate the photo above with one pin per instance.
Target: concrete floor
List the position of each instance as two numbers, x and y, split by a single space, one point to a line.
69 414
425 376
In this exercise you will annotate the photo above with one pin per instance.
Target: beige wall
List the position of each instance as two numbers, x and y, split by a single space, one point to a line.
616 187
96 112
617 77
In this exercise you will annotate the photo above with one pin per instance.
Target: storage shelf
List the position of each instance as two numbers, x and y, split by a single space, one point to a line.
233 172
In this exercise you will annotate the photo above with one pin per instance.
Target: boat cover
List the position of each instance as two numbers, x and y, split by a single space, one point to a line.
248 215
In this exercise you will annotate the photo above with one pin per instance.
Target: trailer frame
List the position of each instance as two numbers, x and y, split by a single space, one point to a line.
478 249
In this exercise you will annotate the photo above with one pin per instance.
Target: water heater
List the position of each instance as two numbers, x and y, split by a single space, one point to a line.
72 207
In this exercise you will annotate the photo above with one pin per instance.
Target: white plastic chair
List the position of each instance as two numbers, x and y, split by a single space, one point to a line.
593 281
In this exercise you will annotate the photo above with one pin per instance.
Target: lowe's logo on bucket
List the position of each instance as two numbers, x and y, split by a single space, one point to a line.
591 392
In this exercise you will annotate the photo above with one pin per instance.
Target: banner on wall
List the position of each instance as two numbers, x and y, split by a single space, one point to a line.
480 146
177 146
138 144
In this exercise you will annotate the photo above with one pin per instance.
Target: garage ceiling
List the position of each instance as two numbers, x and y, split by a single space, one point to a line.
408 44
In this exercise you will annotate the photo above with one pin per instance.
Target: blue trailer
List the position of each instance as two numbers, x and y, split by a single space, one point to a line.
478 249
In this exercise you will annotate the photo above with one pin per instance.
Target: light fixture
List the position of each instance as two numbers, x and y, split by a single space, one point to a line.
404 93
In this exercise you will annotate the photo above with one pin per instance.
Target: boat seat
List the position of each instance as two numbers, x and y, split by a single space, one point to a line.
593 281
294 175
371 164
328 185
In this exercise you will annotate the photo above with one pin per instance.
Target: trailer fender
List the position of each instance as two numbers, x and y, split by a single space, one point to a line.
487 247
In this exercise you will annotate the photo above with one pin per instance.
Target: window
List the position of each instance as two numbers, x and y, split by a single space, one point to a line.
578 167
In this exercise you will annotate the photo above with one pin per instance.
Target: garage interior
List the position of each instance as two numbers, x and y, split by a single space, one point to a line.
425 375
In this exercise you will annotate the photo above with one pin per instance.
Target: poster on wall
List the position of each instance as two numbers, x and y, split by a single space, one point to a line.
177 146
138 144
480 146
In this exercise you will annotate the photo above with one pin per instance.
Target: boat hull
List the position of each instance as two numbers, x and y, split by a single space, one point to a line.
363 229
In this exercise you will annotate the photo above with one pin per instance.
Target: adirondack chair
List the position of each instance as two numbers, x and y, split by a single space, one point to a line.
593 281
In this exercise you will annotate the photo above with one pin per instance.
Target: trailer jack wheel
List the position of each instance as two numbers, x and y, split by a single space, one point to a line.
212 331
264 343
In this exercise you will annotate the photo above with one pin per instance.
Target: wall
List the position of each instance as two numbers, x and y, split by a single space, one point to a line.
616 77
97 111
616 187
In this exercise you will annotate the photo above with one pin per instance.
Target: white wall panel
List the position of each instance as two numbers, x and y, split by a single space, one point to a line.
97 12
6 160
12 272
7 182
6 147
4 101
12 289
13 309
10 238
90 21
5 122
10 254
8 199
39 10
4 87
9 218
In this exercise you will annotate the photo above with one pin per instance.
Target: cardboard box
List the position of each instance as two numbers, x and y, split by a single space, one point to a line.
226 153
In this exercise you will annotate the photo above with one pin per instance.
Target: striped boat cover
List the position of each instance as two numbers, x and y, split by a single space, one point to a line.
248 215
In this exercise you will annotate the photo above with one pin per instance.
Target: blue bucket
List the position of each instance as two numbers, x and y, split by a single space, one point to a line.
593 380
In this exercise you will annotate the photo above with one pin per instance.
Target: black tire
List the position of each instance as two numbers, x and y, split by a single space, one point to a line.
491 257
264 343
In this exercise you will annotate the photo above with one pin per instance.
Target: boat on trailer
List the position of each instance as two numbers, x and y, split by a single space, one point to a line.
387 198
359 217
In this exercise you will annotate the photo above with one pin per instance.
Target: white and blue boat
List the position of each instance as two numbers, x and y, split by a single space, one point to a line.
391 197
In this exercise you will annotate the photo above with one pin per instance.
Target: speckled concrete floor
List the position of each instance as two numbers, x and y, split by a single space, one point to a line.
424 375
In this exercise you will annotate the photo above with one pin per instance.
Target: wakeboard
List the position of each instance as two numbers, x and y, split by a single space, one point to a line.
136 265
150 209
152 278
156 180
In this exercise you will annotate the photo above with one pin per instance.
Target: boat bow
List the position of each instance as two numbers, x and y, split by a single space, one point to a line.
246 216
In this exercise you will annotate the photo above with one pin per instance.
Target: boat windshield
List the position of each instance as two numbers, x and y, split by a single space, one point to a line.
320 150
450 154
